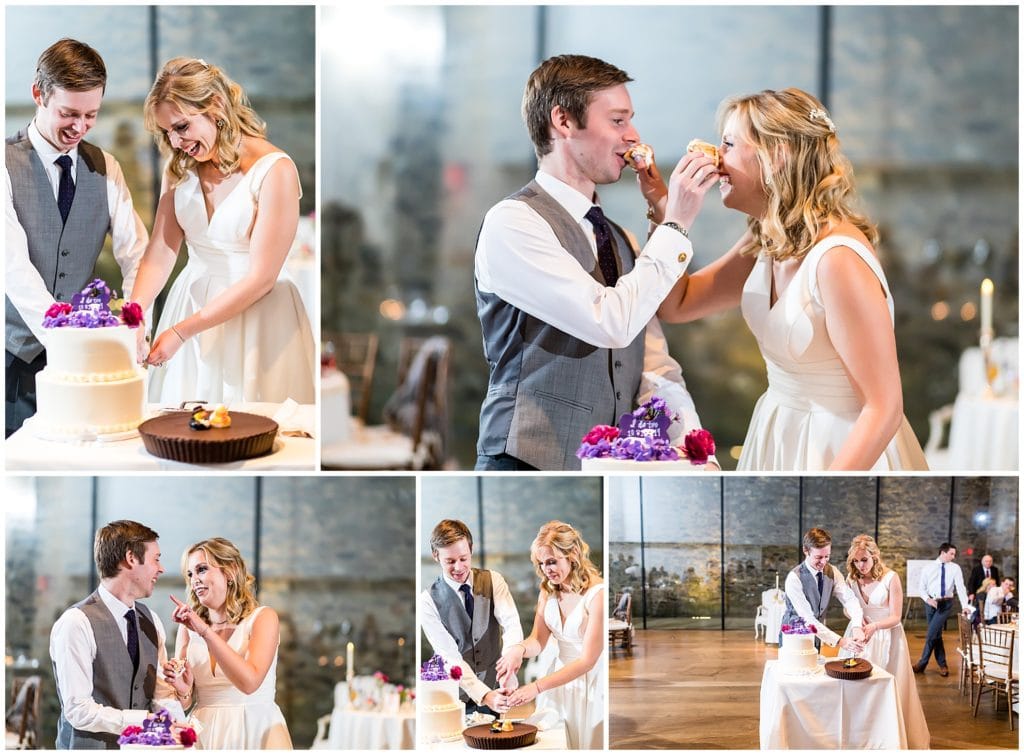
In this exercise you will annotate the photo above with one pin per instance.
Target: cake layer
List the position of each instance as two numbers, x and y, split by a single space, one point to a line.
637 467
440 723
87 409
798 654
91 354
437 693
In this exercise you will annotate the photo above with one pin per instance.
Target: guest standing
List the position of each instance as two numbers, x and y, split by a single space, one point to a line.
938 581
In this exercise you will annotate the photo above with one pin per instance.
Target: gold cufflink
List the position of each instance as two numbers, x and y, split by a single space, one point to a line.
682 257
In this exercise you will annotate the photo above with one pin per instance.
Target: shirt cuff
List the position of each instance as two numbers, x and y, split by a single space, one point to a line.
669 247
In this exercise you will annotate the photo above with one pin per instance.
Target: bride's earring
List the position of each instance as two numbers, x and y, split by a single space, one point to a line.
768 180
221 123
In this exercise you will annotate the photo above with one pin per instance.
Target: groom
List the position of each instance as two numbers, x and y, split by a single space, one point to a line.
810 586
566 301
468 616
108 649
64 196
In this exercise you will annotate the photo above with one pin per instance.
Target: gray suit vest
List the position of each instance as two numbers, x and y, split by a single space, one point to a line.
810 585
113 683
64 254
546 388
479 642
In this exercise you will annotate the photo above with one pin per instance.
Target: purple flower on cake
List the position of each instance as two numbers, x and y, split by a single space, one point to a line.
652 409
434 670
155 732
698 445
91 308
799 626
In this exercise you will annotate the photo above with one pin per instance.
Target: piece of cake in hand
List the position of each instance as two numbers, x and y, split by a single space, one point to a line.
639 157
699 145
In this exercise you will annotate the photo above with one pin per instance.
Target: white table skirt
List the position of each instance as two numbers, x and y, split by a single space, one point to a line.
554 738
983 434
819 712
365 730
25 452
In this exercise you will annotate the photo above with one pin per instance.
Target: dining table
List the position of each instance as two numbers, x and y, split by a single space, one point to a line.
816 711
294 449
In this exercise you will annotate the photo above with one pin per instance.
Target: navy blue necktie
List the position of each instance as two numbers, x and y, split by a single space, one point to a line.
942 581
821 584
133 638
66 188
605 247
468 594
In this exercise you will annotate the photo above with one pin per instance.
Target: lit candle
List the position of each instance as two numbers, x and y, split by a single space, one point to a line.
349 663
986 306
776 581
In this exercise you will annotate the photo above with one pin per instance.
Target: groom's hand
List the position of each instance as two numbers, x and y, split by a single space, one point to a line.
848 643
496 700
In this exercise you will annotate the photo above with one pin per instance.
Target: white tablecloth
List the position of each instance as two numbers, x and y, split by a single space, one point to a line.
365 730
335 407
554 738
819 712
983 434
25 452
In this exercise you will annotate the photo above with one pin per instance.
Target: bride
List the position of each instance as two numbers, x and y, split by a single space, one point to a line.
233 328
229 645
811 288
570 609
880 594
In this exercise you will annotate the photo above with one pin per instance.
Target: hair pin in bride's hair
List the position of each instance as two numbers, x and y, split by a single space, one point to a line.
202 62
819 114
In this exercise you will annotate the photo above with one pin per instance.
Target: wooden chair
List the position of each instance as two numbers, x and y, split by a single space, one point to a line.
1007 617
431 423
996 673
355 354
22 731
620 626
968 657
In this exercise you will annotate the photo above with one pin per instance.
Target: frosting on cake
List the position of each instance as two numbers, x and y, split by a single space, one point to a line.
797 654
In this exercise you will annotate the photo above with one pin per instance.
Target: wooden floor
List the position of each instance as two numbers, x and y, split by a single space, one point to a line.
699 689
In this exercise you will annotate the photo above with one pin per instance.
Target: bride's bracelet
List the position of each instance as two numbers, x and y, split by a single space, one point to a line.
179 335
186 696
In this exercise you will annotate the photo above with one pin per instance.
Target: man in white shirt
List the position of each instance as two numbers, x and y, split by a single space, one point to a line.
937 583
566 301
101 687
998 597
469 617
64 196
810 586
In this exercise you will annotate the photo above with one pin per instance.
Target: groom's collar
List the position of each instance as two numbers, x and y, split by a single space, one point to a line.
812 570
113 603
46 151
576 204
456 585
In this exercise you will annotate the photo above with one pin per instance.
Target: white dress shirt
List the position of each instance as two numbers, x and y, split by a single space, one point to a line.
445 645
73 650
519 259
994 599
24 285
843 591
931 578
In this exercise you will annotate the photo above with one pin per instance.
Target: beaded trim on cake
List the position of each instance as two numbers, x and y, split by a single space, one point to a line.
92 377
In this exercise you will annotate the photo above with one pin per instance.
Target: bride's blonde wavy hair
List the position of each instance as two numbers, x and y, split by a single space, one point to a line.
197 88
565 540
807 179
867 544
222 553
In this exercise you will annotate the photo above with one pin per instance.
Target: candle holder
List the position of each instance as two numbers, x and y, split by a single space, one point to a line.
991 367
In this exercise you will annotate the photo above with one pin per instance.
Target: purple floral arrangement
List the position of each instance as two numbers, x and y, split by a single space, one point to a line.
434 670
608 442
156 732
799 626
91 308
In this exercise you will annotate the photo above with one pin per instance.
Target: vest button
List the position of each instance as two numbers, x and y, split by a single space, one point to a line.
61 275
618 395
618 363
682 257
64 252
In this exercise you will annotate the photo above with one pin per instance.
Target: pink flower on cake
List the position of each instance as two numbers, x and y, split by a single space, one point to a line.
187 736
456 673
131 314
58 308
599 433
699 444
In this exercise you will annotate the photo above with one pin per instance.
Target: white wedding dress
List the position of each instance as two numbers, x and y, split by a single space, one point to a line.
264 354
805 416
581 701
228 718
888 649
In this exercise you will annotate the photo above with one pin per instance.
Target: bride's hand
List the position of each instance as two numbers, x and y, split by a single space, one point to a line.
182 682
141 345
523 695
183 614
869 629
164 347
652 186
510 661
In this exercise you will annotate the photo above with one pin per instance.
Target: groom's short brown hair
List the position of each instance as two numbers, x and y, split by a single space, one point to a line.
114 540
568 81
816 537
449 531
72 65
